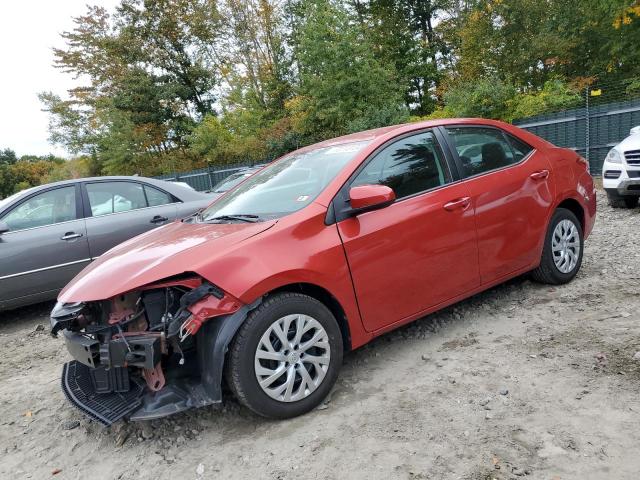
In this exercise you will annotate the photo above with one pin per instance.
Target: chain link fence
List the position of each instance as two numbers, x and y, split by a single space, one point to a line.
204 179
604 118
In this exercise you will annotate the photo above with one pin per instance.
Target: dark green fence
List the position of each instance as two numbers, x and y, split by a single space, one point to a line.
204 179
607 115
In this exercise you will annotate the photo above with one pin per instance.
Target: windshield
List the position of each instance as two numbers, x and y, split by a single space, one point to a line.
11 198
285 186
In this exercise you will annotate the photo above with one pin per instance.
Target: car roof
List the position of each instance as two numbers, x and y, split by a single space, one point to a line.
102 179
179 191
392 130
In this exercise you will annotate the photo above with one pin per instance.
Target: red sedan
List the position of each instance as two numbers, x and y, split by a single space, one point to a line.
315 255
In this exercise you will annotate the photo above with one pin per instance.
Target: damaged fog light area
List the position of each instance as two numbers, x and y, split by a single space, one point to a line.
147 353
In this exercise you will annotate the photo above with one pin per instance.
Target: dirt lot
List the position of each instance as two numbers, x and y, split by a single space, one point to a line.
523 381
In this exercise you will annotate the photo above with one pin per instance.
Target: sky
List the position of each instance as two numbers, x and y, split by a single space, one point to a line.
29 29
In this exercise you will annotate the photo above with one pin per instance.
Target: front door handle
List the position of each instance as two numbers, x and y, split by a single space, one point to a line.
541 175
70 236
458 204
159 219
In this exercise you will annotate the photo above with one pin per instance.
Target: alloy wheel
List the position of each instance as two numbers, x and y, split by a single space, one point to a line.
565 245
292 357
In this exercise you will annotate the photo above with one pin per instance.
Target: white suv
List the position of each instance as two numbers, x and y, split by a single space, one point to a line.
621 172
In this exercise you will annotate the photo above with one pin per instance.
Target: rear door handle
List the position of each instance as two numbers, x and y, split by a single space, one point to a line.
459 204
70 236
159 219
541 175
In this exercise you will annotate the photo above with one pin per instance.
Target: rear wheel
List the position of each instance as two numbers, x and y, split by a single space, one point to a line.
562 252
620 201
286 356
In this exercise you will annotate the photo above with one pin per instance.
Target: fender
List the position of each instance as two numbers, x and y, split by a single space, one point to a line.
213 343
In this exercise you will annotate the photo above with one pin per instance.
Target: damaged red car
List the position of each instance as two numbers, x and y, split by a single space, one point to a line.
313 256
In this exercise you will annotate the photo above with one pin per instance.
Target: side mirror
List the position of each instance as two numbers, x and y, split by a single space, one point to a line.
370 197
635 130
4 228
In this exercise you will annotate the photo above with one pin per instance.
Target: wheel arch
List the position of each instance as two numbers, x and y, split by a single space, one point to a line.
574 207
215 336
327 299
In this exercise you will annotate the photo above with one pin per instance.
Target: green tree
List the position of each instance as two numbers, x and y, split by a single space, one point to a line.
484 98
343 86
152 75
406 34
7 157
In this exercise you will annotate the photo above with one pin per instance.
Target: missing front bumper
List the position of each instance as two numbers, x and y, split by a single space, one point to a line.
78 385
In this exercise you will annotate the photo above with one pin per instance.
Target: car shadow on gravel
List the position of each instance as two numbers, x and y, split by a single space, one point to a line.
235 422
25 317
498 297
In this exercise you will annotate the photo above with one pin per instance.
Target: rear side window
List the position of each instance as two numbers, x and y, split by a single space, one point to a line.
47 208
115 197
485 149
157 197
411 165
520 149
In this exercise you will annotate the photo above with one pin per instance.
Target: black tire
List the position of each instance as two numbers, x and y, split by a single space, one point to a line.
547 271
240 371
620 201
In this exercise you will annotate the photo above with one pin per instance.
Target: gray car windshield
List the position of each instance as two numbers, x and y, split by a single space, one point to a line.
11 198
283 187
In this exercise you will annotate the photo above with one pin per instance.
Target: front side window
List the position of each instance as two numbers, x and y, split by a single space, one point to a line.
484 149
411 165
284 186
115 197
47 208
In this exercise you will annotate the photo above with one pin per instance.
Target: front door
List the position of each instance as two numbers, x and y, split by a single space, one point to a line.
511 187
45 247
421 250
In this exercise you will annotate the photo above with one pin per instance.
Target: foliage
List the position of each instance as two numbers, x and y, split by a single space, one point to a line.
486 98
494 98
555 95
176 84
343 86
29 170
7 157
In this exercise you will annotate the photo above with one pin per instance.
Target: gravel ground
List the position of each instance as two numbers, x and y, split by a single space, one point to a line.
522 381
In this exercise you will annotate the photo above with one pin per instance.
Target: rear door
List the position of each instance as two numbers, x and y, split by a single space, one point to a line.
421 250
45 247
118 210
511 186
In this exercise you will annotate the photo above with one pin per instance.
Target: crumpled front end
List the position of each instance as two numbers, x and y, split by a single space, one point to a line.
147 353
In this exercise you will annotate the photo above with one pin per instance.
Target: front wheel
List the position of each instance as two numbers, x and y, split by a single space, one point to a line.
562 252
286 356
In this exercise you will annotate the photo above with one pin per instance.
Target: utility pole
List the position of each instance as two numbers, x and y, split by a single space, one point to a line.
587 125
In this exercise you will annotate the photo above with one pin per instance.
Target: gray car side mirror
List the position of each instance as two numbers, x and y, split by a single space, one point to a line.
4 227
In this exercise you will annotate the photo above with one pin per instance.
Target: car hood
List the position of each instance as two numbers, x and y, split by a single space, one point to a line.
632 142
170 250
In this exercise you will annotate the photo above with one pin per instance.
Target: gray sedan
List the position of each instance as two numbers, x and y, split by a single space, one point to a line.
51 232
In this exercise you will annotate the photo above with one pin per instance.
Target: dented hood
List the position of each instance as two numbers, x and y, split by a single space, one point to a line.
170 250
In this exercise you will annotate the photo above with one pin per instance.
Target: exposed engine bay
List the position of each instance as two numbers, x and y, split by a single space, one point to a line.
148 353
